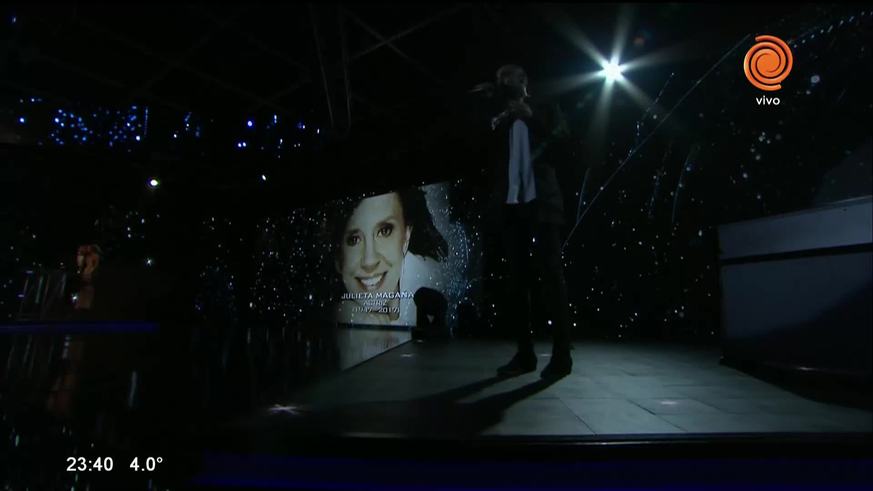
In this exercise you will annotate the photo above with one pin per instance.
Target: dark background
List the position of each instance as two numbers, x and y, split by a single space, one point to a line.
337 111
642 261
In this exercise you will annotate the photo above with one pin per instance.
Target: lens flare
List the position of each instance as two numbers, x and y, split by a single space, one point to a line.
612 71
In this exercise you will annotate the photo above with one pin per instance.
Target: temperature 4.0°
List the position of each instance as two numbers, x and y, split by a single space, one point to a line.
147 464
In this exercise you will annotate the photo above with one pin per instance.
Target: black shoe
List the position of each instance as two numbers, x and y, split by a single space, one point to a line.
558 367
518 365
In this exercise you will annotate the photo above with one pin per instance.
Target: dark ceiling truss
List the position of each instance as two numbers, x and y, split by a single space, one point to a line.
319 50
142 49
345 63
330 70
217 27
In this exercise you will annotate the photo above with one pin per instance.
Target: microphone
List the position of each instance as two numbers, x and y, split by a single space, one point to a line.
487 87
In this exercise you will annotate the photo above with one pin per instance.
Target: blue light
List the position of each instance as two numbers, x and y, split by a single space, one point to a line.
14 19
154 183
250 123
263 177
138 138
21 120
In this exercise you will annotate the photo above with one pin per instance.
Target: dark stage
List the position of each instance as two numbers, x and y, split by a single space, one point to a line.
448 389
320 246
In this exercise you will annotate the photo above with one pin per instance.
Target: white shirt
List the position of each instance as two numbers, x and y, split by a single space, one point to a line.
521 175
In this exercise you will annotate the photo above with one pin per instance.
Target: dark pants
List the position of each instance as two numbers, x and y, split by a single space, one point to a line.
533 251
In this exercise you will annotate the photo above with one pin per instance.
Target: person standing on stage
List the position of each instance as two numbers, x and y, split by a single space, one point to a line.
526 206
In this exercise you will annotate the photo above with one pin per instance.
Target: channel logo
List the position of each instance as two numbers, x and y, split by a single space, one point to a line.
768 63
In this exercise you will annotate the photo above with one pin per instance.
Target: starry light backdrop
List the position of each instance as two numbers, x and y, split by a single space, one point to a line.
221 206
642 256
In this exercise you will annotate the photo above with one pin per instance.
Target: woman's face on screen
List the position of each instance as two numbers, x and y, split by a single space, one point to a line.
374 244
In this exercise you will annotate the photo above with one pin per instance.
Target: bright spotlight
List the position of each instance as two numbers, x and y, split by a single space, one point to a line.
612 71
154 183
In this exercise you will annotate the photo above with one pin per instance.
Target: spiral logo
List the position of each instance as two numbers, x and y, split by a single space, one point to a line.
768 63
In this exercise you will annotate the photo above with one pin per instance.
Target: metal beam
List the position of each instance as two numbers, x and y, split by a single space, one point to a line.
181 57
345 61
289 90
393 47
101 79
261 45
181 66
314 21
406 32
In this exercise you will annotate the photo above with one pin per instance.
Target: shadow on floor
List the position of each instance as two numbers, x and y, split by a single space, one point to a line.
438 415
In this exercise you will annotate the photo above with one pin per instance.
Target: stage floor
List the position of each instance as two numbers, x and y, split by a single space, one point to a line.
449 390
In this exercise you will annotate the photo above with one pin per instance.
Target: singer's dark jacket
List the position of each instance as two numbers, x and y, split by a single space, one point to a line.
548 154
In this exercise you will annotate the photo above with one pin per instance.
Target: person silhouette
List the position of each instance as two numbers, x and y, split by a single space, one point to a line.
526 206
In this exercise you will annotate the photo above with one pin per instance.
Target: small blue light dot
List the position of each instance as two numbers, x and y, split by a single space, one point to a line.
14 19
138 138
22 120
250 123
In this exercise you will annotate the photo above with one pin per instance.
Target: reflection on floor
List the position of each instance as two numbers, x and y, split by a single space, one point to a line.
449 390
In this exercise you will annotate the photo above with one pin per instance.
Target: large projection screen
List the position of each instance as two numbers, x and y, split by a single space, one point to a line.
371 265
